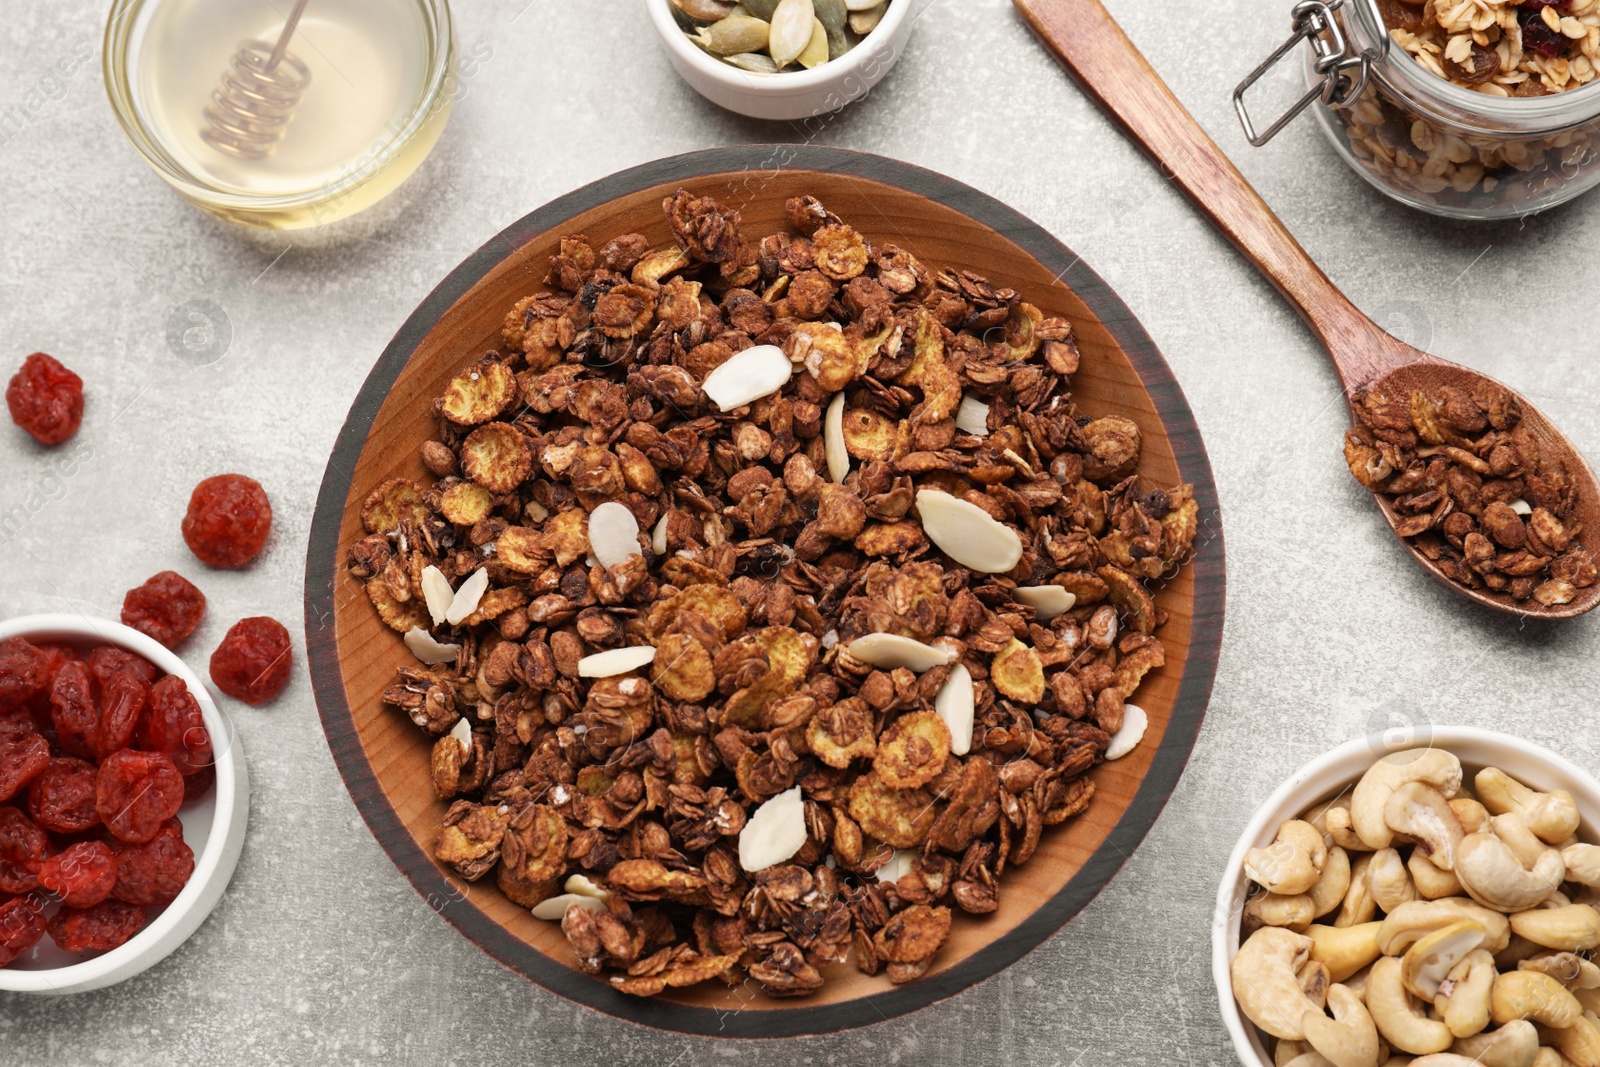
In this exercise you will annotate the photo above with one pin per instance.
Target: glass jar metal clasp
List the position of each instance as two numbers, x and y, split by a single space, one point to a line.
1313 22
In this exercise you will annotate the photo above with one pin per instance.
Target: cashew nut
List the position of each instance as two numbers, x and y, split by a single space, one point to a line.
1344 949
1579 1042
1431 959
1517 949
1466 1007
1583 864
1314 981
1284 1051
1418 918
1444 1059
1431 882
1431 766
1265 982
1570 969
1552 816
1534 996
1309 1059
1391 884
1421 814
1470 814
1399 1019
1342 830
1515 1044
1513 829
1292 863
1358 906
1349 1039
1491 875
1573 928
1330 890
1549 1057
1275 909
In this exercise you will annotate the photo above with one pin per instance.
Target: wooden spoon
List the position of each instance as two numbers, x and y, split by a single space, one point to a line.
1107 66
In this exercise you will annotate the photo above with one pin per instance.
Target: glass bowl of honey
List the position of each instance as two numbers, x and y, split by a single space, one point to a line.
279 114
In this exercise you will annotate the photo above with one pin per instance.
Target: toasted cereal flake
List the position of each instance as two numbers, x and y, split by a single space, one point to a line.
1127 738
615 661
748 376
892 650
1047 601
429 651
776 831
972 416
437 593
833 439
465 602
954 703
613 534
554 909
968 534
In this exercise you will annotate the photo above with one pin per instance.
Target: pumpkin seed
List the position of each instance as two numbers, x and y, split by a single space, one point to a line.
831 13
790 31
864 22
734 35
863 5
816 52
754 62
705 10
762 9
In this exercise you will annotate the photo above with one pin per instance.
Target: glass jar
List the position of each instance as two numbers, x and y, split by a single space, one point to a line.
1425 140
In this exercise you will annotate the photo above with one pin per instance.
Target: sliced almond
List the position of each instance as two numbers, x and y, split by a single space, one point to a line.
973 416
429 651
833 439
658 536
436 592
465 602
967 534
615 661
897 866
555 909
613 534
462 732
1521 507
776 831
892 650
750 375
954 703
1047 601
1125 740
581 885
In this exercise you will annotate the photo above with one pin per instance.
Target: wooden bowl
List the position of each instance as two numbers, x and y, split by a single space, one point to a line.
384 757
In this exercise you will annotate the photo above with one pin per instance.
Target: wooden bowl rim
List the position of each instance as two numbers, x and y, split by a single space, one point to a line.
796 1018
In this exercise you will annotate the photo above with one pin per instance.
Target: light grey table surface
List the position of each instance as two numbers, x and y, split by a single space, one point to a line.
321 952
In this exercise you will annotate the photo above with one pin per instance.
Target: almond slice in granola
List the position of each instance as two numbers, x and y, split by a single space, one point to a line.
748 376
1521 507
968 534
436 592
954 703
465 602
615 661
775 832
897 865
462 732
833 439
1047 601
429 651
1127 738
555 909
892 650
583 887
658 536
613 534
973 416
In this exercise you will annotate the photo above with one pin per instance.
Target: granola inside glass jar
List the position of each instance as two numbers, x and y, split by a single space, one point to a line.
1475 109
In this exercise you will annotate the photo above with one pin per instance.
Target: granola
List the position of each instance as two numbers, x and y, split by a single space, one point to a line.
704 679
1475 488
1501 47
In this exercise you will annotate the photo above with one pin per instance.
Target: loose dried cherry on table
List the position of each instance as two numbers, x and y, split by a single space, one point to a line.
107 661
23 849
22 924
252 663
135 792
46 399
174 724
155 872
96 929
122 704
21 761
62 798
82 875
167 608
74 711
24 672
228 520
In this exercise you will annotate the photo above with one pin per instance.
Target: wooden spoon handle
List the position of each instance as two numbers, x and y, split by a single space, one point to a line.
1107 65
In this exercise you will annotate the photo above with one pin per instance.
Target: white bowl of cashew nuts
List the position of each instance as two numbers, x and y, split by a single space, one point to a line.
1461 868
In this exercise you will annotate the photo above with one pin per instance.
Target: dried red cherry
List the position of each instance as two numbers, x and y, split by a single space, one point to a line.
228 520
174 724
199 783
16 726
1538 37
107 661
62 798
46 399
97 929
56 656
168 607
135 792
252 663
21 926
23 848
156 872
73 710
81 875
24 672
21 762
121 706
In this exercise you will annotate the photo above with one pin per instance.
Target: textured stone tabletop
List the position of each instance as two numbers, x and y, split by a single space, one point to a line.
321 952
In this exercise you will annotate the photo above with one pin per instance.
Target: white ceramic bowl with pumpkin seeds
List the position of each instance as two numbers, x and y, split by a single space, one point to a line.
804 59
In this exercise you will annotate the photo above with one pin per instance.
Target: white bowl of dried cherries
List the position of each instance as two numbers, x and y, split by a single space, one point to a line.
123 803
1433 904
